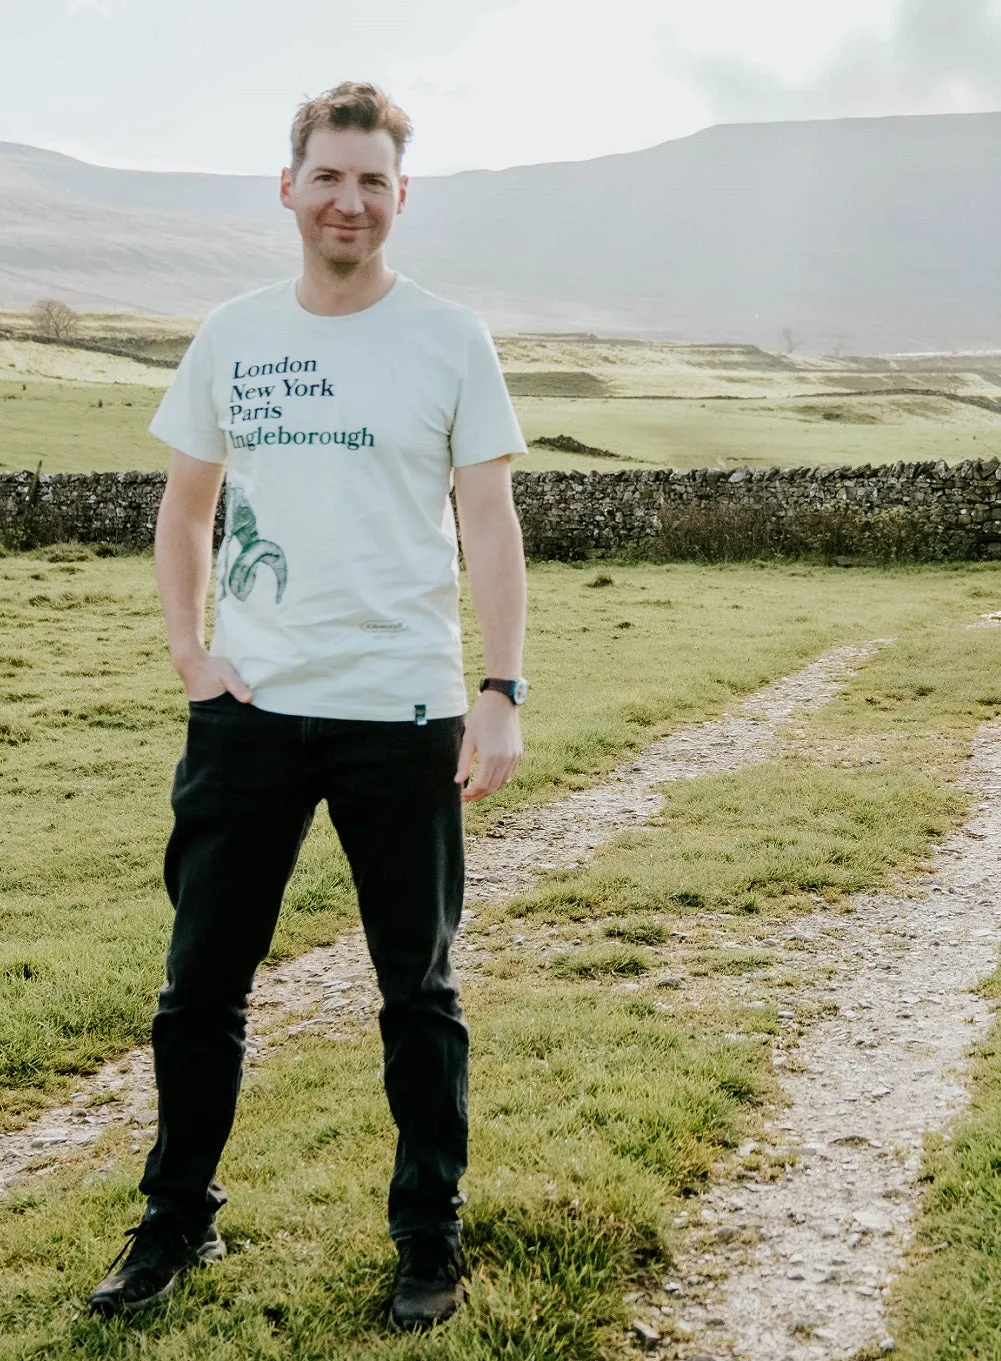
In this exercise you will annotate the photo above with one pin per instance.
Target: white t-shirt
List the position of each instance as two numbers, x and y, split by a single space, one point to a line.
337 582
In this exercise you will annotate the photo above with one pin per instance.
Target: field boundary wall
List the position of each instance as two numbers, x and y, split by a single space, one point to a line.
83 343
573 515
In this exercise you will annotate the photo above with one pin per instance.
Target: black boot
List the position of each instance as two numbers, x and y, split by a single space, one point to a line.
428 1285
162 1248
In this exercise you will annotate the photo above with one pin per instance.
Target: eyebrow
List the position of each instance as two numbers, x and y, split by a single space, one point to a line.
336 170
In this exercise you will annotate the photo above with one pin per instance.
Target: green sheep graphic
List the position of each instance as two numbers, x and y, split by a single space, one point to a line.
241 526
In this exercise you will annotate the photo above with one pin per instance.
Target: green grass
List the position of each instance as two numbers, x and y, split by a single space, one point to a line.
769 838
691 434
595 1103
559 383
92 722
637 932
948 1306
78 427
601 961
591 1114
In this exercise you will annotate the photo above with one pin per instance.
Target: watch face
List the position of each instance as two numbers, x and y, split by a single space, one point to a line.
519 691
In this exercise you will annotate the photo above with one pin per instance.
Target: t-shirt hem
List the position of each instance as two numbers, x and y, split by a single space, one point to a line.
487 456
276 702
184 445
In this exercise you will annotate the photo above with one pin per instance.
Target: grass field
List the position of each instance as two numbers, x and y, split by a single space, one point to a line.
594 1108
91 716
651 404
78 427
782 432
73 426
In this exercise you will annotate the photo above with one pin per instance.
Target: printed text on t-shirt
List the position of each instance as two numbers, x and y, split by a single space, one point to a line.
253 402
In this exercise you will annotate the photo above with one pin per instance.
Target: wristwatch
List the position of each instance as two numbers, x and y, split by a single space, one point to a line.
516 690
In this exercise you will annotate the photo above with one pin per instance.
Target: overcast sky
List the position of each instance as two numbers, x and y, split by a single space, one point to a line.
213 84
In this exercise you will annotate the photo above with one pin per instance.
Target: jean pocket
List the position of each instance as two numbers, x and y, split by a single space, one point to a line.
211 701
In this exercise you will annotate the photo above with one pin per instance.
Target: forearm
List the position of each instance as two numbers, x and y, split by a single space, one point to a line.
495 565
183 551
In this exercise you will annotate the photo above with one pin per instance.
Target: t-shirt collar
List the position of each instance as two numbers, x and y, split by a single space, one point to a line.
388 300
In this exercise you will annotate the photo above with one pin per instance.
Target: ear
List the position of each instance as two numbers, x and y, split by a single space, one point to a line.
404 186
285 188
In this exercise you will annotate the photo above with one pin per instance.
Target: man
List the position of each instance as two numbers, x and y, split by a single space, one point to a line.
341 406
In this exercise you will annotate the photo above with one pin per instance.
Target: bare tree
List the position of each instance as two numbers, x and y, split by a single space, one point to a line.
53 318
791 340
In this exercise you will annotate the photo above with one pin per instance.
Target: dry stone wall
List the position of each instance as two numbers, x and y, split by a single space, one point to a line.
570 515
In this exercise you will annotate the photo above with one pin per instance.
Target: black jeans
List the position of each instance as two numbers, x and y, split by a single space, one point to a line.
244 795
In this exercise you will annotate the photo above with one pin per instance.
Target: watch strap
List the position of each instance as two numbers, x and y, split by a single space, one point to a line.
514 689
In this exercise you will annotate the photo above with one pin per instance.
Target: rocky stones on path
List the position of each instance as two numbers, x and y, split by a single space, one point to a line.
647 1336
873 1220
49 1138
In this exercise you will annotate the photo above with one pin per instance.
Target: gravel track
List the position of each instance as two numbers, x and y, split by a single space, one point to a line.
798 1268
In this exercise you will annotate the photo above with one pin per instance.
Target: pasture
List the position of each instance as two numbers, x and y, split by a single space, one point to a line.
618 1066
600 1100
648 404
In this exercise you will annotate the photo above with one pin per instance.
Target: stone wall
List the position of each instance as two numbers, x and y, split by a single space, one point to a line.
957 509
575 514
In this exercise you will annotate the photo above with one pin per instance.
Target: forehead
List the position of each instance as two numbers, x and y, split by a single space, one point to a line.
351 149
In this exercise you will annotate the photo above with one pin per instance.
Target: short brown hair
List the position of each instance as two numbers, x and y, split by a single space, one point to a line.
352 104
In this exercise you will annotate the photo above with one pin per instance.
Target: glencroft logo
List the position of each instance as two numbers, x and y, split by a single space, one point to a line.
384 626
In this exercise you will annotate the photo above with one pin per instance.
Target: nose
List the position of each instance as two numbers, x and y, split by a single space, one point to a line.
349 200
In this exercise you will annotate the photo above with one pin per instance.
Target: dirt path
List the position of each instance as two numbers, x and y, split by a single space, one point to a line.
797 1269
332 987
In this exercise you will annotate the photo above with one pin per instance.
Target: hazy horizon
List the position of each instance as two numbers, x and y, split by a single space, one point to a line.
474 169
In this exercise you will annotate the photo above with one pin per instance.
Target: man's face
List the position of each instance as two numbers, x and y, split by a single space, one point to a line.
345 194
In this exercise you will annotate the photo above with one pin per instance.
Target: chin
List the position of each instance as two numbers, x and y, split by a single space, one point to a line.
345 257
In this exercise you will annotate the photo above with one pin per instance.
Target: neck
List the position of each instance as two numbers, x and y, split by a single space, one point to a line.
333 290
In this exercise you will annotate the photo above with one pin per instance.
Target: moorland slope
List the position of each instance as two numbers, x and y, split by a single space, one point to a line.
869 235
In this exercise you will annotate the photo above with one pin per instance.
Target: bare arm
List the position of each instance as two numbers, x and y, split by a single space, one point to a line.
495 562
183 568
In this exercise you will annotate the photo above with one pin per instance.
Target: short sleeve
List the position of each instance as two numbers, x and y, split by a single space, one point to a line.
485 425
186 418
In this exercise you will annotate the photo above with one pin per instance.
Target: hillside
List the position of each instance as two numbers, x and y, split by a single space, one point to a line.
868 235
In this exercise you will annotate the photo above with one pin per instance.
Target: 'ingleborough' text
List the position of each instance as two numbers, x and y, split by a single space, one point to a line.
351 439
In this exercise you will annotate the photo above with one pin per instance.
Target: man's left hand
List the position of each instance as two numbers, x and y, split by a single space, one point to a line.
493 741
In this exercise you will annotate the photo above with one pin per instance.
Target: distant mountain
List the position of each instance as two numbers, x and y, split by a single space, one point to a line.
868 234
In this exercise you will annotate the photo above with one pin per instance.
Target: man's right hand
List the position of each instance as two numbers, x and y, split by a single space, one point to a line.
207 677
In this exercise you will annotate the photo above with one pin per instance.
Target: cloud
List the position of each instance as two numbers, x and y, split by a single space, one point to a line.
934 57
543 80
105 8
